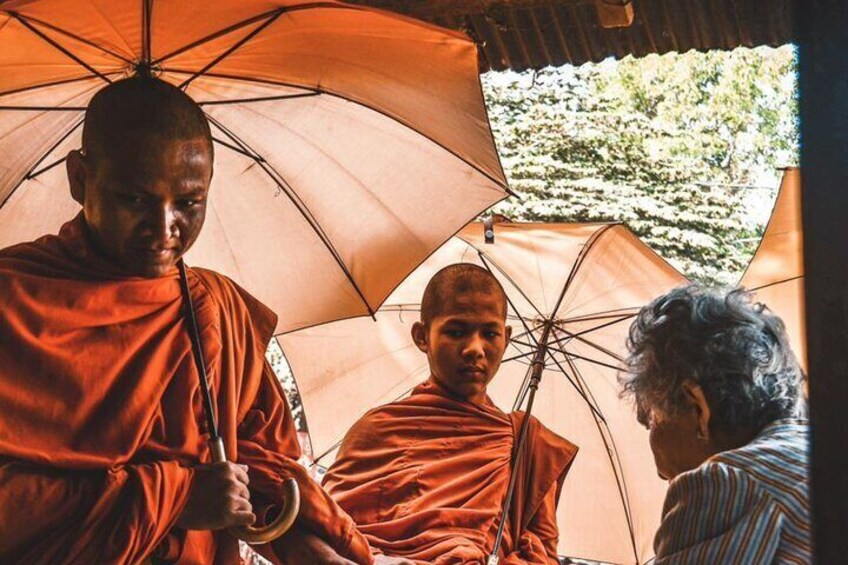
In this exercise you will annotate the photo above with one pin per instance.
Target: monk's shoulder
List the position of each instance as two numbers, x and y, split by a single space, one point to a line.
220 287
373 418
547 439
30 252
373 423
232 299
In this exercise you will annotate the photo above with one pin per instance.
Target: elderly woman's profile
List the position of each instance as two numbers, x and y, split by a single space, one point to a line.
718 387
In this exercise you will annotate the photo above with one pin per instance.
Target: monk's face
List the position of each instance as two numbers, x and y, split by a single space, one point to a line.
465 343
144 199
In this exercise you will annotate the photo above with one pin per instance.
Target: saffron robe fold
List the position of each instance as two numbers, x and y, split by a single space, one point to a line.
425 477
101 416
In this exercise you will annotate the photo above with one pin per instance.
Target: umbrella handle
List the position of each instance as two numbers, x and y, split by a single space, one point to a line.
256 535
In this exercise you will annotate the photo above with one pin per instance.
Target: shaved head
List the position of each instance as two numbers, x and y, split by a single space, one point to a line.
140 106
454 280
143 174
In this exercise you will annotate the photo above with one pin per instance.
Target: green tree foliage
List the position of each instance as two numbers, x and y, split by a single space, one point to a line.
276 358
662 143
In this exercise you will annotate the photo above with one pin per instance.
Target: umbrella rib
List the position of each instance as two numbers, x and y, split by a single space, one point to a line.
178 71
49 84
43 170
612 354
573 355
579 334
338 443
518 336
589 402
524 343
517 357
501 184
581 257
257 99
781 281
58 46
525 384
417 308
276 14
43 108
482 257
579 337
41 160
246 22
237 149
299 205
603 315
146 17
215 35
76 37
615 461
593 345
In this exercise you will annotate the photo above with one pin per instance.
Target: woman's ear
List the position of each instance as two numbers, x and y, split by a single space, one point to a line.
694 396
419 336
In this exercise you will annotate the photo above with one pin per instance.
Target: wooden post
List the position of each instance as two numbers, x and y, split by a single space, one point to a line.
823 87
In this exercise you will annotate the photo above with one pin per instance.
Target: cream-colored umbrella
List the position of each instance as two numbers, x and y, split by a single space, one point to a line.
612 499
776 272
350 142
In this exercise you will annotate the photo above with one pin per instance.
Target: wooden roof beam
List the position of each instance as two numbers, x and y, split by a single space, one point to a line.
430 9
614 13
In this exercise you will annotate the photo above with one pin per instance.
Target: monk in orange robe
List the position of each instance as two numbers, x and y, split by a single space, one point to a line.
103 446
425 477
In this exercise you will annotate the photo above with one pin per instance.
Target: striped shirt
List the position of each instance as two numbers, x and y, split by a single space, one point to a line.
748 506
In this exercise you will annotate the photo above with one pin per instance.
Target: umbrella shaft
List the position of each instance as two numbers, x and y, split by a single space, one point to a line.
197 350
536 368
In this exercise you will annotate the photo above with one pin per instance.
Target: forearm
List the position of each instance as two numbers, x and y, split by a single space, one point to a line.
268 445
52 516
538 541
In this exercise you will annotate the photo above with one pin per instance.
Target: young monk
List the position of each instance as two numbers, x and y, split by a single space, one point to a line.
424 478
103 446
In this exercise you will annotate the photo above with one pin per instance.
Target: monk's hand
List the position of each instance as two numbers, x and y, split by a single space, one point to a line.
218 498
388 560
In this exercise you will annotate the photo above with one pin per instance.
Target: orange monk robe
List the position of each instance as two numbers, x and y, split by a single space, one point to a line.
101 417
424 478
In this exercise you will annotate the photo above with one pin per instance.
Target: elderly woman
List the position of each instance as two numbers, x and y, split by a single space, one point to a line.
717 386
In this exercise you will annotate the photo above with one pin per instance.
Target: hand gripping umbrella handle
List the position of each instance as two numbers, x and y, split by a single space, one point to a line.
291 494
256 535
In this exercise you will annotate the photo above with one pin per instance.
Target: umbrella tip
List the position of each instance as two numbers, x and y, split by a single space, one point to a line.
145 69
489 229
489 226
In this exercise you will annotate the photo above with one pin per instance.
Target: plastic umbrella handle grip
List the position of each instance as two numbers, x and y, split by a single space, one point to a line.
290 506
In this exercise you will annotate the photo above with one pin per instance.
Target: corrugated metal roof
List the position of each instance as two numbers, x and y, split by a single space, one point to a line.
531 34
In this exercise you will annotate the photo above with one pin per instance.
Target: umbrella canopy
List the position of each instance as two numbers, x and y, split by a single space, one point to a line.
612 499
776 272
350 142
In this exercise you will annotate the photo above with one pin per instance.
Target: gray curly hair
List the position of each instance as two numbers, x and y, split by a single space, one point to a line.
736 350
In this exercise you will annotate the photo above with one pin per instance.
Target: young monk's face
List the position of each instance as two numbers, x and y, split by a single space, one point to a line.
465 343
145 200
